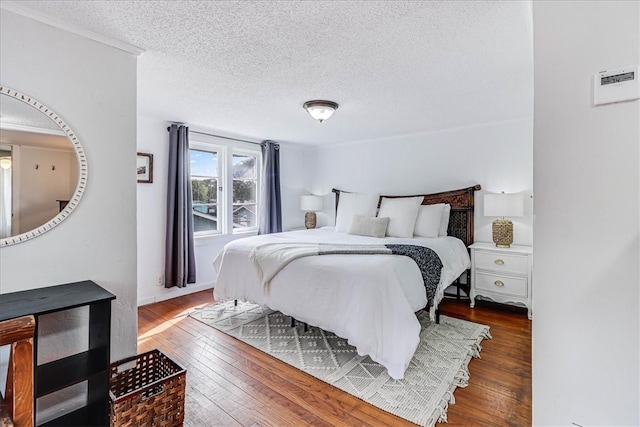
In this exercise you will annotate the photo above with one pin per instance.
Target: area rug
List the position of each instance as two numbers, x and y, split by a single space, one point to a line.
439 365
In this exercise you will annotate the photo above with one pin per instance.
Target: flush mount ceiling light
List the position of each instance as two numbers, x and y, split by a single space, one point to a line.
320 110
5 162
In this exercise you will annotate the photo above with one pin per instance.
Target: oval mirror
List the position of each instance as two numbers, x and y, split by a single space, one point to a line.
43 168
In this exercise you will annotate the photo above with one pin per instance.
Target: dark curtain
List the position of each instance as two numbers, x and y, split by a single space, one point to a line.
180 264
271 212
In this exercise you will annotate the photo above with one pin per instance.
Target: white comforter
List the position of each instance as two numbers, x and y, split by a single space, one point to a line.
370 300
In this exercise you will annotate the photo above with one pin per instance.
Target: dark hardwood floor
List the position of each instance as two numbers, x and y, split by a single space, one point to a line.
232 384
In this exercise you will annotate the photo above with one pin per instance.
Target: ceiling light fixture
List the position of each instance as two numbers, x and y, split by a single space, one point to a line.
320 110
5 162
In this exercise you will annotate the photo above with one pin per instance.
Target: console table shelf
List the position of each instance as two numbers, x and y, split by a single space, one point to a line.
91 365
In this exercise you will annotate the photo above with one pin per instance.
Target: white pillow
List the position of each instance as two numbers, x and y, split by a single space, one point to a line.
402 213
444 223
368 226
429 220
350 204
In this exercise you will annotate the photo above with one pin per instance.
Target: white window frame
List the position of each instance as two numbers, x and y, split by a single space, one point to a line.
226 148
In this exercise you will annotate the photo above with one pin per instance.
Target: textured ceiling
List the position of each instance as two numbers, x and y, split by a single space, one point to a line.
395 67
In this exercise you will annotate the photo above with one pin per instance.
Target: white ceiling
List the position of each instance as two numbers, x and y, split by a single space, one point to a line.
395 67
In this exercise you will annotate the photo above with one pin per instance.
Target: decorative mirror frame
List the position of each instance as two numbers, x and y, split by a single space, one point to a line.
82 169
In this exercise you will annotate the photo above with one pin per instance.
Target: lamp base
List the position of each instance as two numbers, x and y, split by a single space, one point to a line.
502 233
310 220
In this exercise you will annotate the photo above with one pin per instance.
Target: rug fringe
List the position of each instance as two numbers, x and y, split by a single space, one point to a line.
443 413
448 399
461 379
476 348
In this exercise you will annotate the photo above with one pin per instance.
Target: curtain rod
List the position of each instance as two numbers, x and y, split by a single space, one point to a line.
220 136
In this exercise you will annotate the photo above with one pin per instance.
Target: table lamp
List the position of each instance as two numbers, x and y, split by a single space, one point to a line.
502 205
311 204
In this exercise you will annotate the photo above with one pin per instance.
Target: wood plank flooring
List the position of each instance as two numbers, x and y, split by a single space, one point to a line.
230 383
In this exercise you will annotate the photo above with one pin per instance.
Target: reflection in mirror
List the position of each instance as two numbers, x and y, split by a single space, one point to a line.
5 191
42 168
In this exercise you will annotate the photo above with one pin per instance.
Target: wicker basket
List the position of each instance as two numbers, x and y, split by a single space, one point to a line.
149 394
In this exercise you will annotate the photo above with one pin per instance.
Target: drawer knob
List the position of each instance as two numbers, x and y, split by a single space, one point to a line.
499 261
498 283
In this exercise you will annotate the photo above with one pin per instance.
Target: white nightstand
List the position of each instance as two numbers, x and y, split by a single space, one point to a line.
502 274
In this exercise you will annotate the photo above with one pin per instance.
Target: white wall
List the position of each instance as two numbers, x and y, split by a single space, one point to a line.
586 235
497 156
93 88
154 138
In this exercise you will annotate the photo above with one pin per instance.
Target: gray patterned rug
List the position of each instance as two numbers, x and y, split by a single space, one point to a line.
439 365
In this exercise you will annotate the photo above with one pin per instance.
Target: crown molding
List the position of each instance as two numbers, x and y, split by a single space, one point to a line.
15 7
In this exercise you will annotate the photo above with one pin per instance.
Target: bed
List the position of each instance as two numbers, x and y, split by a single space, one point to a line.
370 300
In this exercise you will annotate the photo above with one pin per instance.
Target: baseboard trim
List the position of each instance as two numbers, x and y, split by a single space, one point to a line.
174 292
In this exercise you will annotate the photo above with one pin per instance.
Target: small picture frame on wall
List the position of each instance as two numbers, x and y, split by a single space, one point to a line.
145 168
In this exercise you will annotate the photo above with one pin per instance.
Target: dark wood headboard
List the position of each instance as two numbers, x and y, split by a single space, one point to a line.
462 209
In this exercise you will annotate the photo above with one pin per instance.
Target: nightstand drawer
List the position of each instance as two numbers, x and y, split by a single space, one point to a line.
501 284
502 262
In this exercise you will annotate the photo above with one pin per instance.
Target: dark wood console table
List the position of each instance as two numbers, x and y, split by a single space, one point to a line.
91 365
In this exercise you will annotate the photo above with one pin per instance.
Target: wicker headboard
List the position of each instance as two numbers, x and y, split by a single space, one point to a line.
462 208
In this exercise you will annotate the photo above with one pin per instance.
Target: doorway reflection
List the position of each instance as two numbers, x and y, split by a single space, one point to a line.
6 164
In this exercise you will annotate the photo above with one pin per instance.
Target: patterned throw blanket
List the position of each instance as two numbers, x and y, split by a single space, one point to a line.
270 258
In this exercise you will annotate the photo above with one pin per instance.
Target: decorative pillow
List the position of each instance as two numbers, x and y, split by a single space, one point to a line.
402 213
351 204
444 223
429 220
368 226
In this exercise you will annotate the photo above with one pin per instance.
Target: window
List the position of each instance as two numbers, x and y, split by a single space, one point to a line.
216 166
245 190
204 190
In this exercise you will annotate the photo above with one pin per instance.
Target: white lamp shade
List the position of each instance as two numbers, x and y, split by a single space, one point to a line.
311 203
503 205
